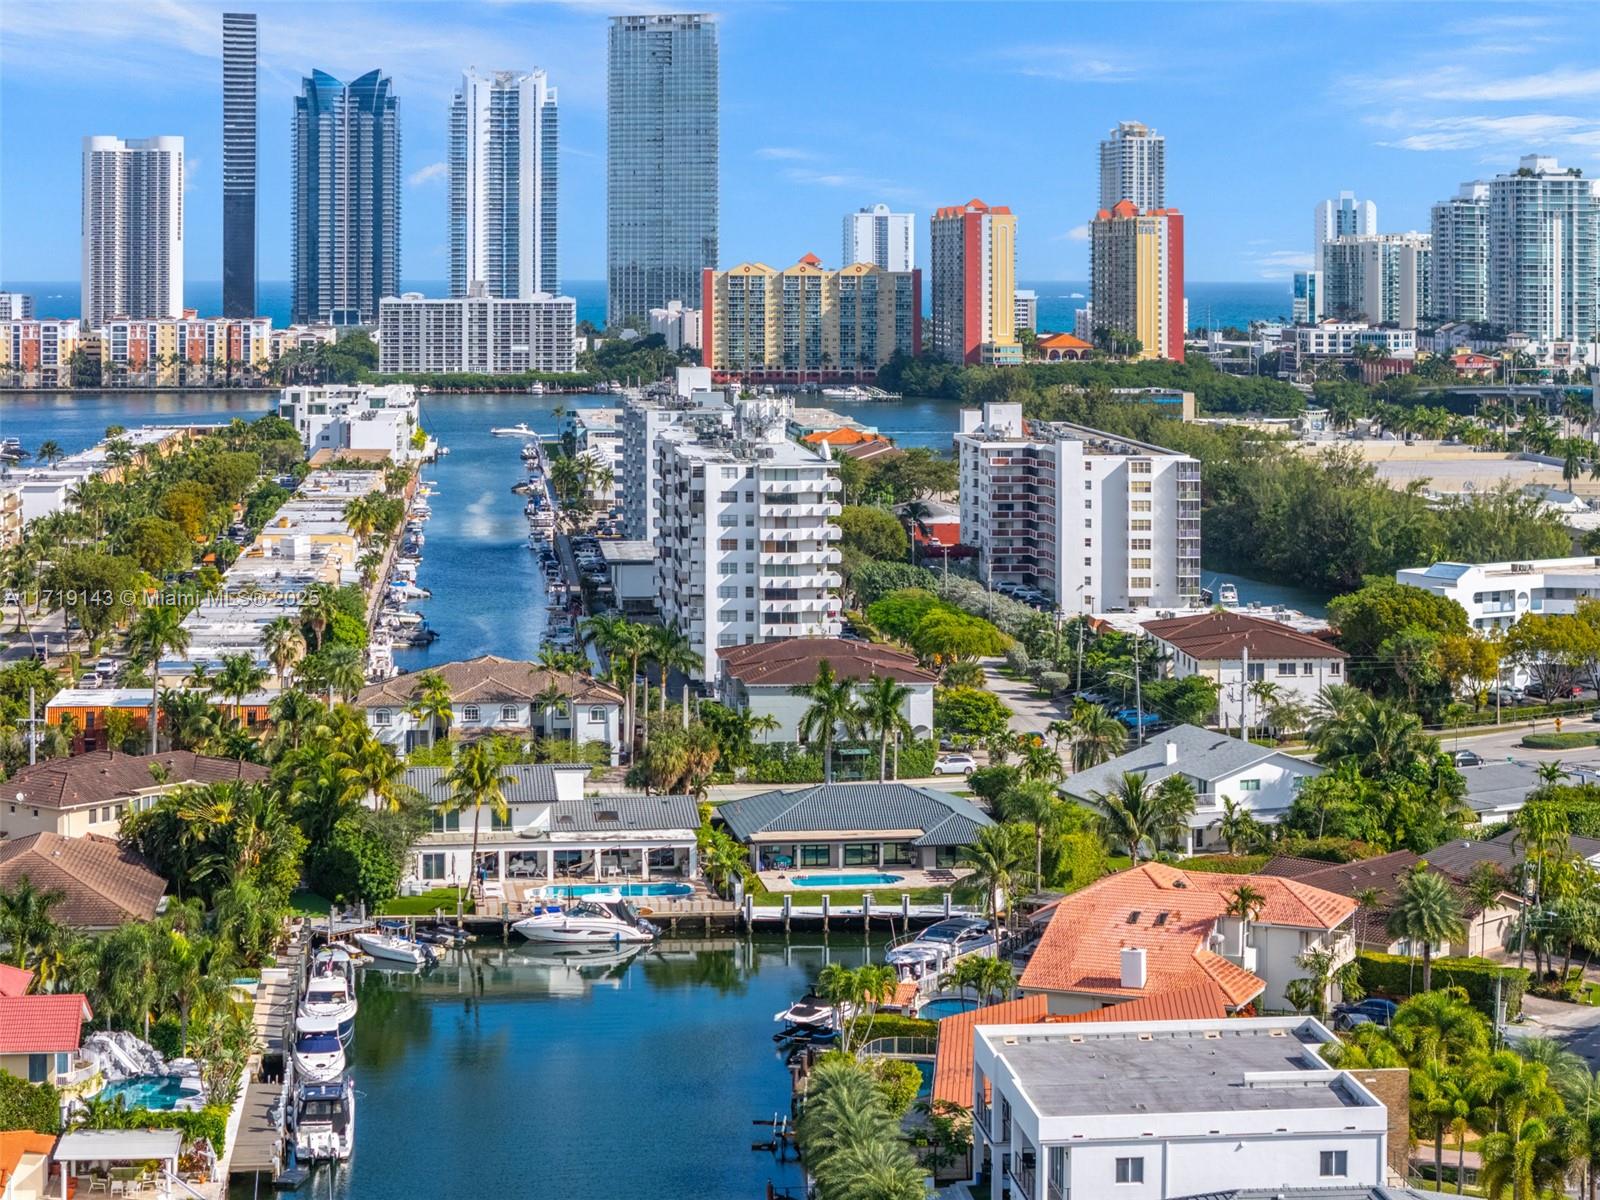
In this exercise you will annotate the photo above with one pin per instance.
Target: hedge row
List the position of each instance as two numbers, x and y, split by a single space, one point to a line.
1559 741
1396 976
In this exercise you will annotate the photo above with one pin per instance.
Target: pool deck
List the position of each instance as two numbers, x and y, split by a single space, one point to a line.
520 895
886 893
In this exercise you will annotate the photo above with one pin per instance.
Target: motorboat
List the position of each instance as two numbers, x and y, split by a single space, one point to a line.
589 921
810 1015
389 947
1227 593
330 997
941 942
519 430
404 616
318 1052
334 959
407 590
325 1120
442 935
530 452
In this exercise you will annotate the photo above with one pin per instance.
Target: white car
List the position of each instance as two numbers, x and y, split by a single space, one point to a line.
955 764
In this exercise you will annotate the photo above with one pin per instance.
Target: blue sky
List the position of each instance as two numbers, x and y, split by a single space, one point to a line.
1267 108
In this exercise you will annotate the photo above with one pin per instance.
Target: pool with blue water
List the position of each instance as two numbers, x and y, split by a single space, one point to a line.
559 890
147 1091
844 881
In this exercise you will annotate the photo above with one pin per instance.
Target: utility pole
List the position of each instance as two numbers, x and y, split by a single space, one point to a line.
1138 695
1081 624
1244 696
33 724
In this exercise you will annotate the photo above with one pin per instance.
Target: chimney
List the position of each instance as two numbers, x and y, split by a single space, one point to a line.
1172 752
1133 967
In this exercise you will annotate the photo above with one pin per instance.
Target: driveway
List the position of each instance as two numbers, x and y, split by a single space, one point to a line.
1577 1026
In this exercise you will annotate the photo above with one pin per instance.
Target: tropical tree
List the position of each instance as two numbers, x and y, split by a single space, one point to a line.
1239 828
238 677
881 714
1036 802
1426 910
1097 736
432 704
284 645
28 929
833 707
671 650
998 861
319 604
621 640
476 781
156 630
1136 812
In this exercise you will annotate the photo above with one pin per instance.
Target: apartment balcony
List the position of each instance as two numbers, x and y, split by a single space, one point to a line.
810 510
811 580
796 487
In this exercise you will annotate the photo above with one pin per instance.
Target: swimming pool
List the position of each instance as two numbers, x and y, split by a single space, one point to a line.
848 881
149 1091
557 890
945 1006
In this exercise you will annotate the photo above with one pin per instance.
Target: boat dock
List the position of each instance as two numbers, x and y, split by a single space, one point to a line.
256 1148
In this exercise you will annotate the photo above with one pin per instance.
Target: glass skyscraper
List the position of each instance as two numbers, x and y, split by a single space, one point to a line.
239 52
1133 166
503 145
346 188
1544 251
661 162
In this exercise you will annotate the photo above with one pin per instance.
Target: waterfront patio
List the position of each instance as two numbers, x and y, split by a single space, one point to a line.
907 879
118 1162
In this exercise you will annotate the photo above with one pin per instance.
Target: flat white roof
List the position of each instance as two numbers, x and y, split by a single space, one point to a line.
121 1145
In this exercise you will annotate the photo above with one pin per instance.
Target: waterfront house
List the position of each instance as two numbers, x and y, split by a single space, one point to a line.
25 1164
83 712
1241 654
41 1034
863 825
498 695
91 793
1259 780
1156 929
1173 1108
102 885
554 832
760 679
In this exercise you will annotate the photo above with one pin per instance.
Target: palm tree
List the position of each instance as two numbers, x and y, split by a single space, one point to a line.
344 671
1426 910
26 926
671 650
1097 737
156 630
1059 732
882 701
319 604
50 452
1036 802
1378 734
620 639
1238 826
833 707
476 781
239 677
432 704
284 645
997 860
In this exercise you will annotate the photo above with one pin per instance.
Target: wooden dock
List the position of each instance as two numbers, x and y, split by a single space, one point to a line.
257 1147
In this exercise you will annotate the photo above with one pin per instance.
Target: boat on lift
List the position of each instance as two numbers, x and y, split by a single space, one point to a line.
390 947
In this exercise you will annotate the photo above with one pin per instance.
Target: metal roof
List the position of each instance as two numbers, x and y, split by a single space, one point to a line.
1202 754
532 783
118 1145
606 814
945 820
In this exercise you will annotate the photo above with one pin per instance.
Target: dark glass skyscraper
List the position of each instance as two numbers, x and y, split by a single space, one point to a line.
661 162
239 52
346 198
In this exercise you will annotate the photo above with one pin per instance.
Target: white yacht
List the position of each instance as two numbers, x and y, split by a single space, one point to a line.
389 947
519 430
586 921
942 942
318 1052
325 1120
1227 593
329 997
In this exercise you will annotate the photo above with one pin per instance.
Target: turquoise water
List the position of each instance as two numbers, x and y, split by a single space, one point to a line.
146 1091
926 1088
948 1006
626 889
816 881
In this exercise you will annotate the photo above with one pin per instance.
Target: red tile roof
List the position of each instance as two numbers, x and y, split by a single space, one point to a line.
1063 341
1211 636
795 660
104 884
47 1024
1081 947
103 775
1185 1004
14 981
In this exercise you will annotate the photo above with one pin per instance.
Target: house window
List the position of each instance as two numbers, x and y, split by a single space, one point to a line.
380 716
597 715
449 822
508 712
433 866
1130 1170
1286 668
1335 1164
38 1068
1333 667
1058 1170
496 822
897 854
469 712
947 856
861 854
1249 785
1306 668
814 855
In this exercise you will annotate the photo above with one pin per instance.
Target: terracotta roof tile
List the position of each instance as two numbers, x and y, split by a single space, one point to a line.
488 679
795 660
104 775
104 884
47 1024
1185 1004
14 981
1211 636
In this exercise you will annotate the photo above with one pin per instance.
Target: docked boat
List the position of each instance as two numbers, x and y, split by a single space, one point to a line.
530 452
334 959
519 430
589 921
810 1015
318 1052
404 616
325 1120
389 947
1227 593
331 998
941 943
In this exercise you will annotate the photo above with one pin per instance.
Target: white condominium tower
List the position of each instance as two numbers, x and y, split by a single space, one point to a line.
1378 278
1094 521
1544 251
503 145
132 228
1133 166
1341 217
746 548
876 235
1461 255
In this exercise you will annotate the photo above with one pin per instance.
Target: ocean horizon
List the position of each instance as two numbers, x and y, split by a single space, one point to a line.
1211 304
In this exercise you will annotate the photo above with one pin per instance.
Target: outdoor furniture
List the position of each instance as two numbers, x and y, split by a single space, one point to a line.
98 1182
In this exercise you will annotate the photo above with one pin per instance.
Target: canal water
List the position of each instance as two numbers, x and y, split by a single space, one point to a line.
514 1071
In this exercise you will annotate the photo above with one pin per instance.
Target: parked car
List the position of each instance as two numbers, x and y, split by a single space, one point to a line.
955 764
1371 1011
1507 696
1466 758
1131 718
1570 691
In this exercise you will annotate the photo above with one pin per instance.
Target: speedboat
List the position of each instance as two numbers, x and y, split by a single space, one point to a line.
530 452
586 921
519 430
325 1120
1227 593
939 943
329 997
389 947
810 1016
318 1052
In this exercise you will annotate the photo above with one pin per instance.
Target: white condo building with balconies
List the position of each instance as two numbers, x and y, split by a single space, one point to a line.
747 548
1093 520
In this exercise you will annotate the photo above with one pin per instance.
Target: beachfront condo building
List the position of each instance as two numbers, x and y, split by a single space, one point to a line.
1544 251
132 228
240 50
1460 284
1341 217
883 238
503 173
1133 167
807 323
346 189
1306 301
39 353
972 249
477 334
661 161
1092 520
746 547
1136 280
1380 278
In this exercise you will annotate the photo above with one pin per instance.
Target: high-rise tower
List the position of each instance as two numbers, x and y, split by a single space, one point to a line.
132 228
239 54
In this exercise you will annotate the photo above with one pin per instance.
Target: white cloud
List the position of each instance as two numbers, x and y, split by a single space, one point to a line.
1279 264
1514 132
1073 63
191 170
1078 233
785 153
427 174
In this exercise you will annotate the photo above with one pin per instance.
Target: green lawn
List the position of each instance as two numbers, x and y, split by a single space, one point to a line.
307 904
443 899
